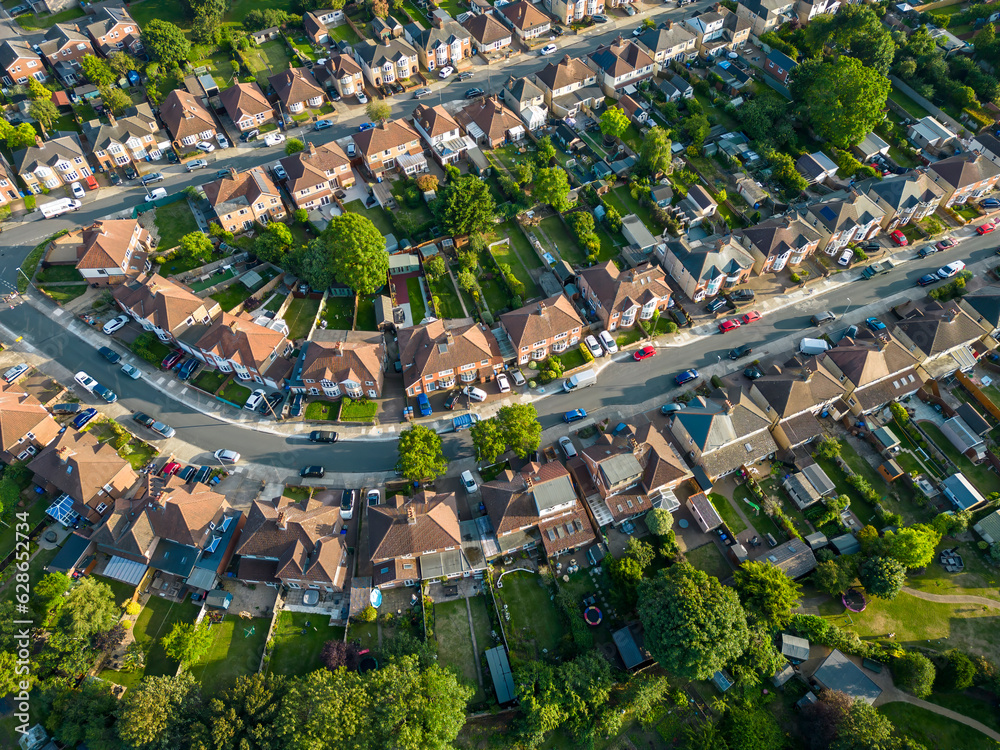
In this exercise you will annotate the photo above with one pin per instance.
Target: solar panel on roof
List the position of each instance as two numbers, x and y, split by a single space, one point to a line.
827 213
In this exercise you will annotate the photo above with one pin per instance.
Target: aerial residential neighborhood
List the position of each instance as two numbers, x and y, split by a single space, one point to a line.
476 374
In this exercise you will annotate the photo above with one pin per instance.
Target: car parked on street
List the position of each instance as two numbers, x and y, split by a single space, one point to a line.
322 436
110 354
548 49
151 178
729 325
106 393
986 228
144 419
162 429
947 243
644 353
273 139
312 472
686 377
928 279
927 250
227 456
952 269
751 317
574 416
421 93
85 381
474 93
196 164
740 352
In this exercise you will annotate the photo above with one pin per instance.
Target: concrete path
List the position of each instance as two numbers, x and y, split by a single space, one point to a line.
475 646
952 598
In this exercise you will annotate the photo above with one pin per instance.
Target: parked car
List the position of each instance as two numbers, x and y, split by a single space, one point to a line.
374 497
144 419
503 383
644 353
187 473
77 189
106 393
568 449
114 179
171 359
446 71
227 456
85 381
150 178
574 416
279 171
475 394
170 468
607 342
473 93
347 504
115 324
273 139
322 436
986 228
205 146
163 429
131 174
549 49
927 250
927 279
15 372
593 346
362 99
990 203
451 402
187 369
820 319
947 243
81 419
196 164
946 272
671 408
753 372
222 140
203 475
365 126
156 194
110 354
295 410
469 482
740 352
421 93
66 409
874 325
255 400
751 317
312 472
899 238
323 125
518 377
870 247
845 258
132 371
686 377
249 135
715 305
729 325
271 406
742 295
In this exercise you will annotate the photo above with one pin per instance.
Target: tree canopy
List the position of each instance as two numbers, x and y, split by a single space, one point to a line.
515 427
89 608
166 42
378 110
356 253
882 576
912 546
187 643
420 454
843 99
655 156
248 714
157 714
551 186
98 71
614 122
465 206
767 593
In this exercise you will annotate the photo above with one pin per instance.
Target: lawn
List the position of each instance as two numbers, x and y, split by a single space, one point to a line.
366 314
482 625
31 261
415 219
36 512
213 279
322 410
535 625
295 652
57 274
297 494
529 258
932 730
235 393
231 296
209 380
969 627
235 651
761 522
563 243
299 315
609 249
861 507
970 704
63 294
572 358
173 221
267 60
980 475
156 620
622 199
708 558
357 411
913 109
343 33
165 10
628 336
449 303
31 22
155 348
506 254
142 453
977 579
451 630
378 216
728 513
418 309
338 312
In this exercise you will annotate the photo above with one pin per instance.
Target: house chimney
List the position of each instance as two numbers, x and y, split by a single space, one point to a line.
729 406
234 326
64 452
291 65
668 25
436 21
282 523
717 7
541 308
448 337
39 143
411 516
312 149
337 351
111 118
232 173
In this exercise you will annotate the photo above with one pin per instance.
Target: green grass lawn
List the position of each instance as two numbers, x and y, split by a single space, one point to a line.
31 22
529 258
564 242
235 393
297 494
482 626
969 704
572 358
156 349
622 199
709 558
414 219
357 411
859 505
141 454
322 410
299 316
31 261
212 280
365 633
231 296
338 312
449 303
235 651
915 110
366 314
418 309
267 60
57 274
63 294
165 10
984 479
378 216
451 630
344 33
209 380
977 579
535 624
761 522
932 730
628 336
506 254
173 221
36 512
728 513
156 620
296 653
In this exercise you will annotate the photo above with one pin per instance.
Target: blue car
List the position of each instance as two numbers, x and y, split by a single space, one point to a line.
425 405
184 371
875 325
927 278
365 126
574 416
106 393
83 417
686 377
323 125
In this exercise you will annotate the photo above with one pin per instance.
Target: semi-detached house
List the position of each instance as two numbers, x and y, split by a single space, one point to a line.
669 42
620 64
903 198
25 425
873 370
436 356
964 177
793 395
110 250
19 63
718 30
571 11
526 100
622 298
778 242
440 132
345 75
843 218
444 43
49 164
488 34
247 106
527 21
391 145
297 89
550 326
341 363
186 119
64 47
315 173
114 30
766 15
707 267
241 199
387 61
569 85
133 138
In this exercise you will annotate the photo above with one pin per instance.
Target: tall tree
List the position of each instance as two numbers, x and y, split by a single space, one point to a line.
767 593
98 71
655 156
115 99
914 673
312 263
158 713
832 578
357 254
614 122
248 715
863 728
522 430
860 33
167 42
89 608
378 111
420 454
912 546
694 625
187 643
842 98
273 242
37 91
659 521
488 439
551 186
49 594
882 577
197 246
293 146
465 206
45 112
82 714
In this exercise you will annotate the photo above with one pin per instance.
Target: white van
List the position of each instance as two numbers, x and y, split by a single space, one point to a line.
156 193
813 346
579 380
59 207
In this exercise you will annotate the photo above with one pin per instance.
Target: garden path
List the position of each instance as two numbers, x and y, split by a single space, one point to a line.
475 646
895 695
454 282
952 598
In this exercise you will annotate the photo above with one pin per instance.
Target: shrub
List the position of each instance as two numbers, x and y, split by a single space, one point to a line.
914 673
958 672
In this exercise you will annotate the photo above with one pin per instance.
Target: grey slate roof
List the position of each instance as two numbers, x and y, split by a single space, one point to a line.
709 262
837 672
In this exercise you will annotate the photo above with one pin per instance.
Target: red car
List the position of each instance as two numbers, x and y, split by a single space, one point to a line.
171 359
729 325
751 317
171 468
946 243
986 228
899 238
645 353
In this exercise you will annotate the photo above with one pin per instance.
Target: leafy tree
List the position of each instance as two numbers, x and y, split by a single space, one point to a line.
157 714
694 625
89 608
952 524
861 34
766 119
135 657
10 493
122 62
573 696
293 146
831 577
704 735
312 263
82 714
524 172
49 593
37 91
655 156
863 728
761 660
959 673
643 695
368 614
187 643
45 112
435 268
842 98
337 654
829 448
767 593
248 715
357 254
10 680
488 439
749 728
273 243
551 186
545 152
98 71
912 546
23 136
659 521
869 540
697 127
521 428
420 454
824 717
109 639
115 99
784 171
614 122
166 42
427 183
626 572
465 206
882 577
197 246
378 111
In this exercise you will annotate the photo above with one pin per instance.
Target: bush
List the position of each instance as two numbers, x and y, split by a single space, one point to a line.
958 672
914 673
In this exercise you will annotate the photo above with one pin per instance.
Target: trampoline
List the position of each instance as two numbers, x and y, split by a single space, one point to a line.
854 600
375 598
367 664
593 616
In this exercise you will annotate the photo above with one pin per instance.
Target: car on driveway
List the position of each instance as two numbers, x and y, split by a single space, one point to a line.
740 352
845 258
81 419
671 408
249 135
686 377
446 71
77 189
85 381
574 416
152 177
271 405
222 140
110 354
899 238
990 203
187 369
870 247
374 497
196 164
874 325
144 419
365 126
67 408
715 305
518 377
15 372
609 344
279 171
927 279
753 372
205 147
644 353
347 499
568 449
729 325
503 383
254 400
273 139
131 174
451 402
227 456
476 394
600 18
986 228
742 295
115 324
946 272
469 482
751 317
362 99
295 410
114 179
592 346
172 359
473 93
946 243
106 393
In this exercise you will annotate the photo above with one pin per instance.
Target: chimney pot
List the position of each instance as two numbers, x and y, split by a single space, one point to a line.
282 523
232 173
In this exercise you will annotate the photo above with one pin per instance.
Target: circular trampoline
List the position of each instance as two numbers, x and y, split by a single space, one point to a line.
593 616
367 664
854 600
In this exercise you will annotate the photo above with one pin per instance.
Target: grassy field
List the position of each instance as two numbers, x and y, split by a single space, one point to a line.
980 475
506 254
165 10
173 221
357 411
932 730
338 312
268 60
708 558
535 625
231 296
299 315
235 651
451 630
296 653
728 513
978 578
564 243
418 309
366 314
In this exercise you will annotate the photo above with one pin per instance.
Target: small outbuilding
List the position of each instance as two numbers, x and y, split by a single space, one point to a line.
630 650
890 470
960 491
845 544
817 540
837 672
218 599
988 528
704 512
503 679
793 648
794 557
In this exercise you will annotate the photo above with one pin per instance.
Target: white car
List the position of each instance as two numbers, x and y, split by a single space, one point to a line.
502 383
946 272
593 347
254 401
85 381
115 324
608 342
273 139
227 456
156 194
475 394
548 49
446 71
568 449
845 258
205 146
77 190
518 377
469 482
196 164
374 497
362 99
223 141
132 371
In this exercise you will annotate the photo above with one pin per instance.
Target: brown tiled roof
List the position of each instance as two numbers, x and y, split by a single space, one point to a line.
105 243
627 505
434 120
239 339
792 390
523 15
79 465
619 291
902 383
385 137
939 328
486 29
662 465
845 213
413 526
964 169
358 358
242 190
509 501
184 115
801 428
541 320
866 362
62 35
310 167
433 347
491 117
341 66
571 531
569 70
20 414
295 85
780 235
244 99
183 513
738 454
164 303
620 57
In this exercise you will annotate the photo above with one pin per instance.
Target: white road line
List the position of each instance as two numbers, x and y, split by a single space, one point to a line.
58 312
161 380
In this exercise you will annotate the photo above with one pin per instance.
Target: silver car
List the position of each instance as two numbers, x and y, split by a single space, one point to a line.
568 449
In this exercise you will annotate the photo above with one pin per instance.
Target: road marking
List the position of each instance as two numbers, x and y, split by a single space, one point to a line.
160 380
58 312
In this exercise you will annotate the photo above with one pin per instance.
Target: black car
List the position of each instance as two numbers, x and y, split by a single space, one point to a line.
870 247
742 295
171 156
271 405
473 93
312 472
249 135
187 473
144 419
296 408
715 305
927 278
66 409
740 352
114 179
203 474
322 436
558 31
452 401
187 369
130 173
753 372
110 354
